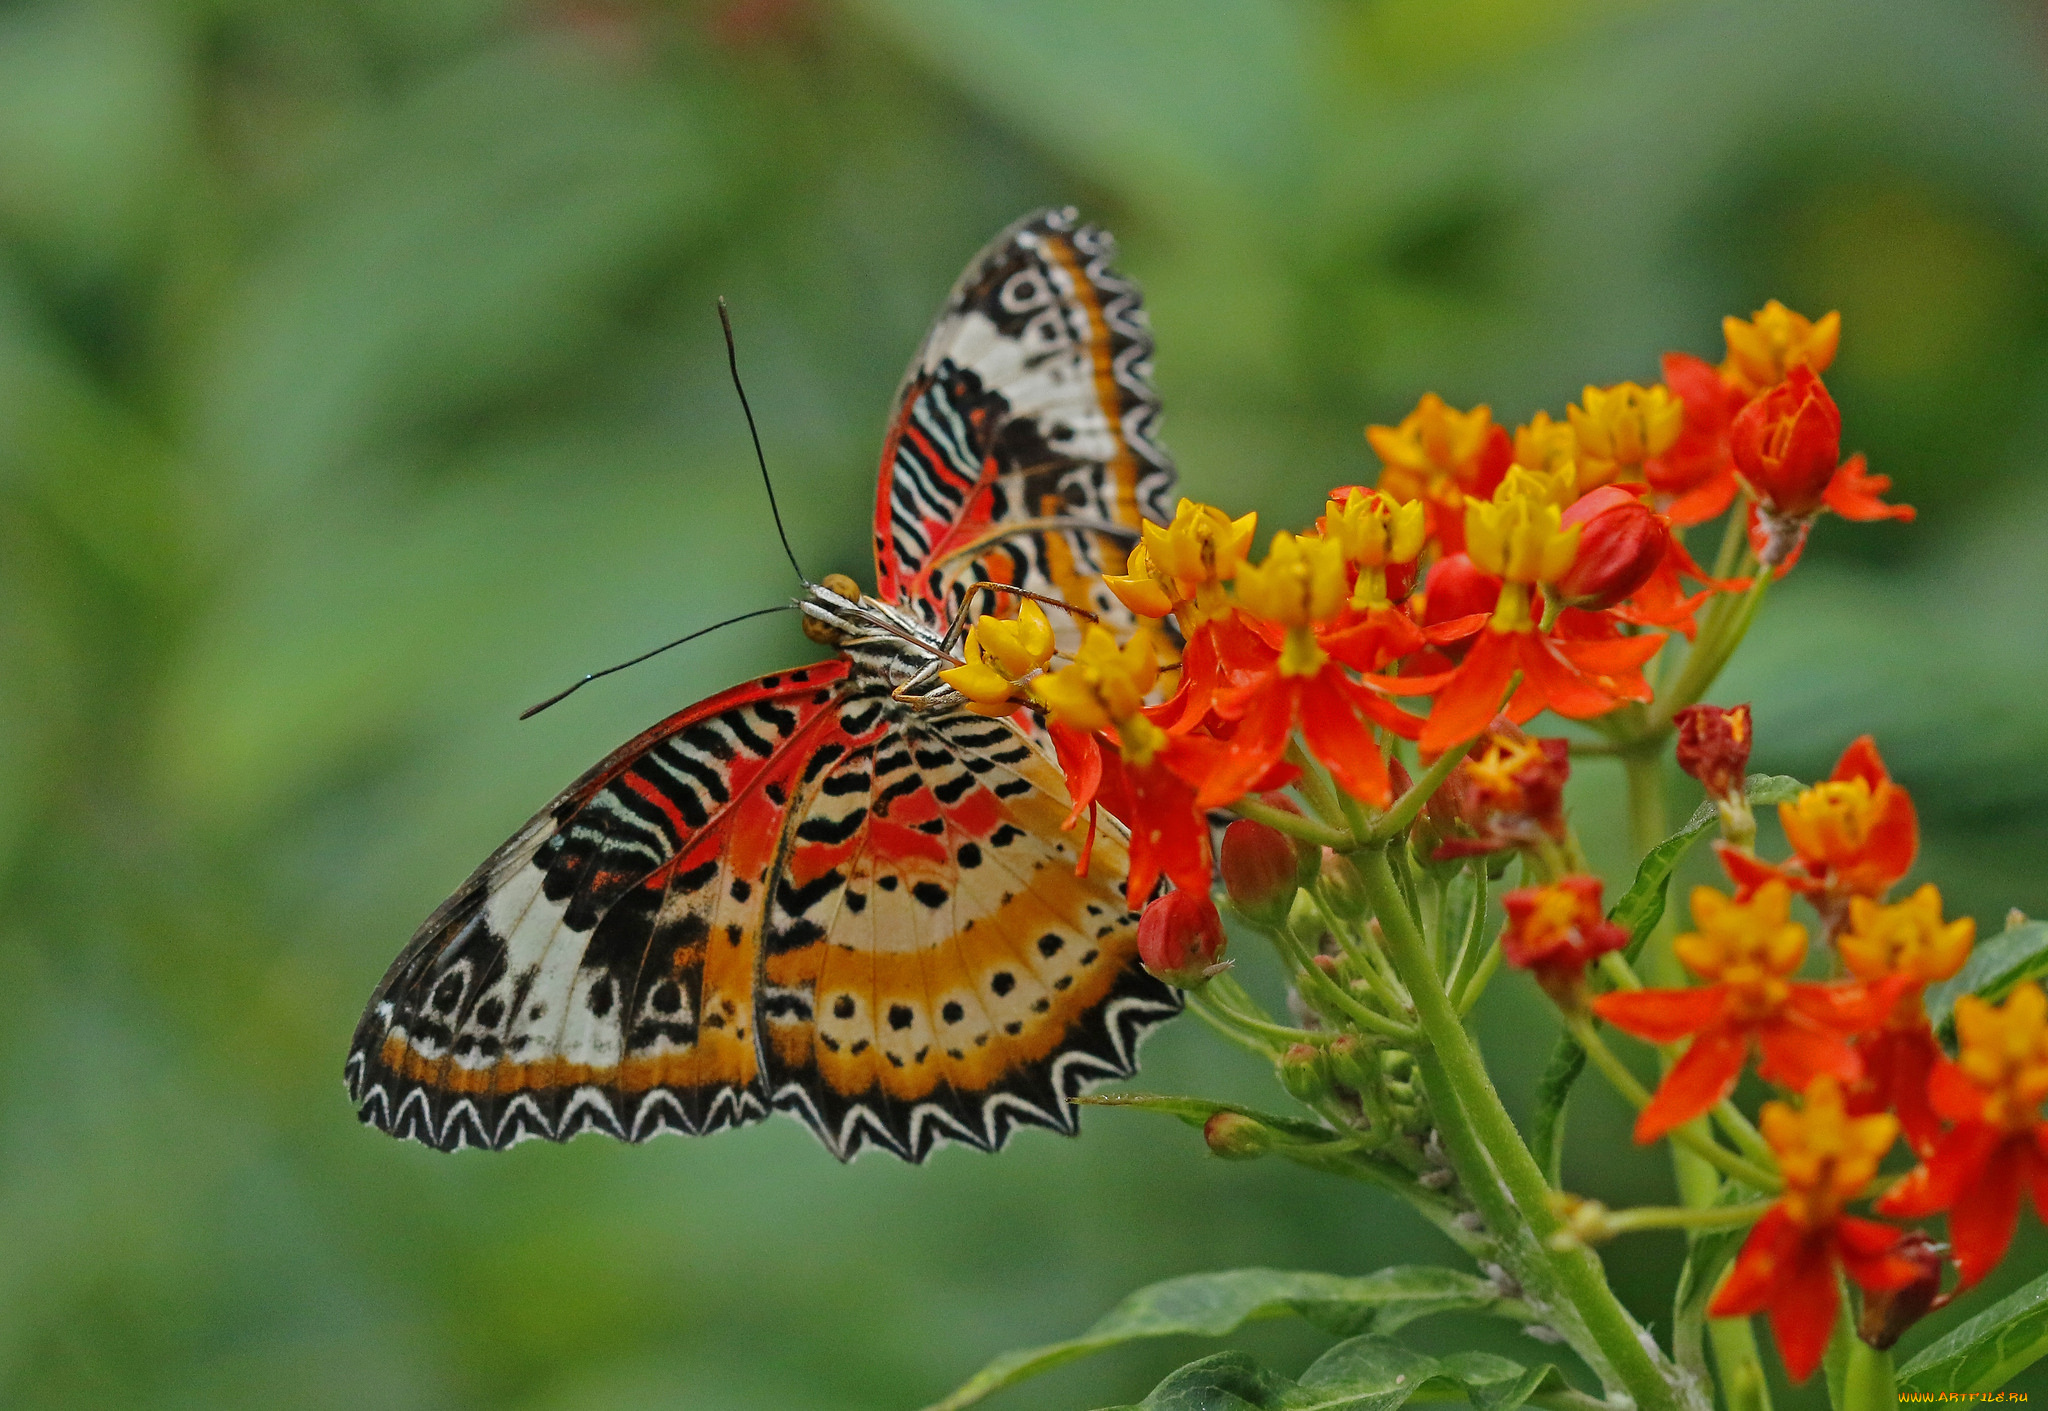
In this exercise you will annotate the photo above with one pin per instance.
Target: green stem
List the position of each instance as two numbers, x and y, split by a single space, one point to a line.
1718 641
1682 1217
1404 809
1472 986
1688 1136
1292 824
1501 1175
1738 1361
1312 978
1868 1383
1250 1025
1207 1013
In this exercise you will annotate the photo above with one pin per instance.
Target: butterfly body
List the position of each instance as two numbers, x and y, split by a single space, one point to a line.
835 890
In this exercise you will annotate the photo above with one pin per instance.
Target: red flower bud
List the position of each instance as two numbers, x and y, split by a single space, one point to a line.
1787 444
1554 931
1262 869
1713 747
1180 938
1235 1137
1457 587
1620 545
1887 1313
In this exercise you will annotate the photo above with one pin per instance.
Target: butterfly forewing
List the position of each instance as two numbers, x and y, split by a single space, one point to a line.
599 970
1021 450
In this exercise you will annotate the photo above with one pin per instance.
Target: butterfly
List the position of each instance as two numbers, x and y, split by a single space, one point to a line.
835 891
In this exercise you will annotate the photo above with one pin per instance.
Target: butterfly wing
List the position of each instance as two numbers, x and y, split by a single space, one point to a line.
598 971
933 968
1021 449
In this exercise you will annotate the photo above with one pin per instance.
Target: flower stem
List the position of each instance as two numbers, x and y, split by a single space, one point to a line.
1403 811
1503 1178
1688 1136
1868 1383
1682 1217
1292 824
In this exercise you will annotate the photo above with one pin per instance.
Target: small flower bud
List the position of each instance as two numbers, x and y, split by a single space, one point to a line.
1342 887
1787 444
1713 746
1354 1064
1887 1313
1261 872
1180 939
1304 1072
1457 587
1235 1137
1621 542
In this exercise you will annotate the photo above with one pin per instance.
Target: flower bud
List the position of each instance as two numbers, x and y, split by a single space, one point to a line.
1342 887
1261 870
1180 938
1457 587
1887 1313
1787 444
1354 1064
1304 1072
1713 746
1236 1137
1621 543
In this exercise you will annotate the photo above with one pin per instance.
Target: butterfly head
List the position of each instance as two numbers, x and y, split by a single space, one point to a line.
831 609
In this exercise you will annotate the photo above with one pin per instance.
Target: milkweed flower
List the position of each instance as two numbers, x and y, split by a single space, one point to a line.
1299 588
1765 347
1787 1264
1103 690
1747 951
1911 941
1180 568
997 655
1520 538
1439 455
1853 834
1622 542
1618 429
1992 1092
1180 938
1508 792
1555 931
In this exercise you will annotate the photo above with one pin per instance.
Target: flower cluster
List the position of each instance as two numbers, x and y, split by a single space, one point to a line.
1487 573
1357 693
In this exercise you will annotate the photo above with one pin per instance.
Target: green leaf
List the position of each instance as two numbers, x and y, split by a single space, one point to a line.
1989 1350
1546 1127
1211 1305
1642 906
1640 909
1993 970
1364 1374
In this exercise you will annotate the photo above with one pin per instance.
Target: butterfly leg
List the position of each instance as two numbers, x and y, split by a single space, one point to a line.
960 618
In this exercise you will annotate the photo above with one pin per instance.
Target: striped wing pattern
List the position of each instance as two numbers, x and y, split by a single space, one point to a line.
797 895
1022 446
805 894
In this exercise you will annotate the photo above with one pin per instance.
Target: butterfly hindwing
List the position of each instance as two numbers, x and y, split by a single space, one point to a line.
952 978
598 971
1021 449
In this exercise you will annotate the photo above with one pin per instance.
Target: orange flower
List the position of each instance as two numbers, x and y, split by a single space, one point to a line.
1786 445
1555 931
1619 428
1763 350
1856 833
1520 538
1694 480
1993 1093
1713 747
1787 1265
1507 793
1747 952
1439 455
1908 940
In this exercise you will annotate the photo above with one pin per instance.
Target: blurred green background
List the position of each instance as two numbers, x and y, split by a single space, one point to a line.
359 384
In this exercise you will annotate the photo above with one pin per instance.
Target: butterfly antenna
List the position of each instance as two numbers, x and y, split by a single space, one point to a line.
532 711
732 359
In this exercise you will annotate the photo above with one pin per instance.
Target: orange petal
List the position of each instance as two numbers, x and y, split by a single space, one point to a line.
1704 1076
1980 1228
1803 1308
1663 1016
1468 703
